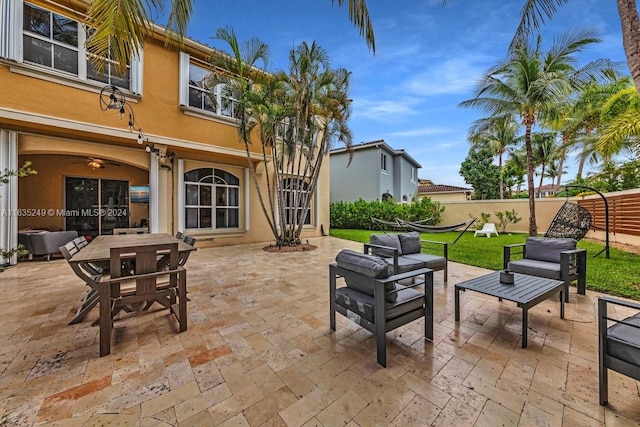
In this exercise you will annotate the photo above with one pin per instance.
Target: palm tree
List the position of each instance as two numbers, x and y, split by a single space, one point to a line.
495 134
584 117
534 12
529 82
621 125
121 26
515 168
296 116
545 152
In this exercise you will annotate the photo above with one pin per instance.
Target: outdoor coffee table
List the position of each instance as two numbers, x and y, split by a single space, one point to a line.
527 291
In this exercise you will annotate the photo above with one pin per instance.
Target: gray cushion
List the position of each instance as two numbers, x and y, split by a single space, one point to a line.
389 240
547 248
406 264
623 341
367 265
532 267
434 262
362 304
370 266
410 243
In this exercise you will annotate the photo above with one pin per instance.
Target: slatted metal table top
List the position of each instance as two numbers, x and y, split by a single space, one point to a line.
526 291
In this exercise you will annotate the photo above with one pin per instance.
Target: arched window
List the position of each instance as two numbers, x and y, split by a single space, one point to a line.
296 192
212 199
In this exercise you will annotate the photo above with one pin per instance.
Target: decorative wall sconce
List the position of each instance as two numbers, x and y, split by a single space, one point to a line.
112 98
161 152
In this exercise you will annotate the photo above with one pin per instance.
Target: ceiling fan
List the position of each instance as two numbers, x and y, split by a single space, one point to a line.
97 163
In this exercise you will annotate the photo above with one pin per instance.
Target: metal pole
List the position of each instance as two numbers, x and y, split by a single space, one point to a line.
606 217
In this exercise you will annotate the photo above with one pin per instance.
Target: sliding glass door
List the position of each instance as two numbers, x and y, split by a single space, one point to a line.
96 206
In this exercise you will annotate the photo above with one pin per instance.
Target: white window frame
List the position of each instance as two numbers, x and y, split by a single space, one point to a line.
287 207
414 174
186 62
383 162
214 203
12 49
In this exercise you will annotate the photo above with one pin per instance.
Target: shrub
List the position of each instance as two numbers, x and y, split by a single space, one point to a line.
507 217
358 214
480 222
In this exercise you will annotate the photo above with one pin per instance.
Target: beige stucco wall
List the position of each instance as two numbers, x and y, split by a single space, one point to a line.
445 197
546 210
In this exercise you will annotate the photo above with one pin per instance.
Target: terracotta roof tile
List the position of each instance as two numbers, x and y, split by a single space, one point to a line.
441 189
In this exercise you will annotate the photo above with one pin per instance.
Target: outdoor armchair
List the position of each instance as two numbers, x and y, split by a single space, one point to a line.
618 344
487 229
374 298
552 258
404 252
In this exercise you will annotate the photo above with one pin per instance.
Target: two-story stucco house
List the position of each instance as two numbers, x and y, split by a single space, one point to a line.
376 172
187 171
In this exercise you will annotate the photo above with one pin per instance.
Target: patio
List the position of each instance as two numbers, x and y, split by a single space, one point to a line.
258 351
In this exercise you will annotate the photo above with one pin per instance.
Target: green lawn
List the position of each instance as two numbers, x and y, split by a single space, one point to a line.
618 275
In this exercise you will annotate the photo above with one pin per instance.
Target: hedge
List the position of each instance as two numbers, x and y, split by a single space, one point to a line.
358 214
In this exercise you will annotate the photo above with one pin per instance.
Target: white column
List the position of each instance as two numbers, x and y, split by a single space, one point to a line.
9 194
246 187
154 194
180 195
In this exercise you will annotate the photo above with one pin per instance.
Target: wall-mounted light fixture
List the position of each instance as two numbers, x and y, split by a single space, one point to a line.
112 98
160 151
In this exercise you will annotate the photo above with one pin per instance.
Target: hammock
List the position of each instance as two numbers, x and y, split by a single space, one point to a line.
395 225
437 228
384 225
572 220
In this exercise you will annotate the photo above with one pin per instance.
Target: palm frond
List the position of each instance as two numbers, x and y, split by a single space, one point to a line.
359 16
532 16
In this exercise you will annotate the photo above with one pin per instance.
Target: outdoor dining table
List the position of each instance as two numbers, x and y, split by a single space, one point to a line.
98 252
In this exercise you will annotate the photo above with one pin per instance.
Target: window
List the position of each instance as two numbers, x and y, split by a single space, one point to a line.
296 192
109 75
212 199
414 174
198 92
55 43
383 162
50 40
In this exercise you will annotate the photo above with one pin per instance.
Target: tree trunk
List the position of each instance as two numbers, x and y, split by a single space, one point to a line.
500 168
541 181
533 228
631 37
563 154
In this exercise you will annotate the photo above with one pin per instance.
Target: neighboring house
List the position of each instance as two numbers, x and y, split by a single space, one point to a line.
187 171
546 190
444 193
376 172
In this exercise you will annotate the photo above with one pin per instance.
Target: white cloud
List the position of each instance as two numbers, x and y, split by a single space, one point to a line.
426 131
383 110
451 76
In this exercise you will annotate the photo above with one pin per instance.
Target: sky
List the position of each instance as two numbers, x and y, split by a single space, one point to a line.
428 59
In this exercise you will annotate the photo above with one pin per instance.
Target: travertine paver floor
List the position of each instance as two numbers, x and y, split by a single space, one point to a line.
259 351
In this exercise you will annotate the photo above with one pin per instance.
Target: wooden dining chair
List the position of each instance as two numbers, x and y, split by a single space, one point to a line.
90 274
184 256
80 242
147 283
